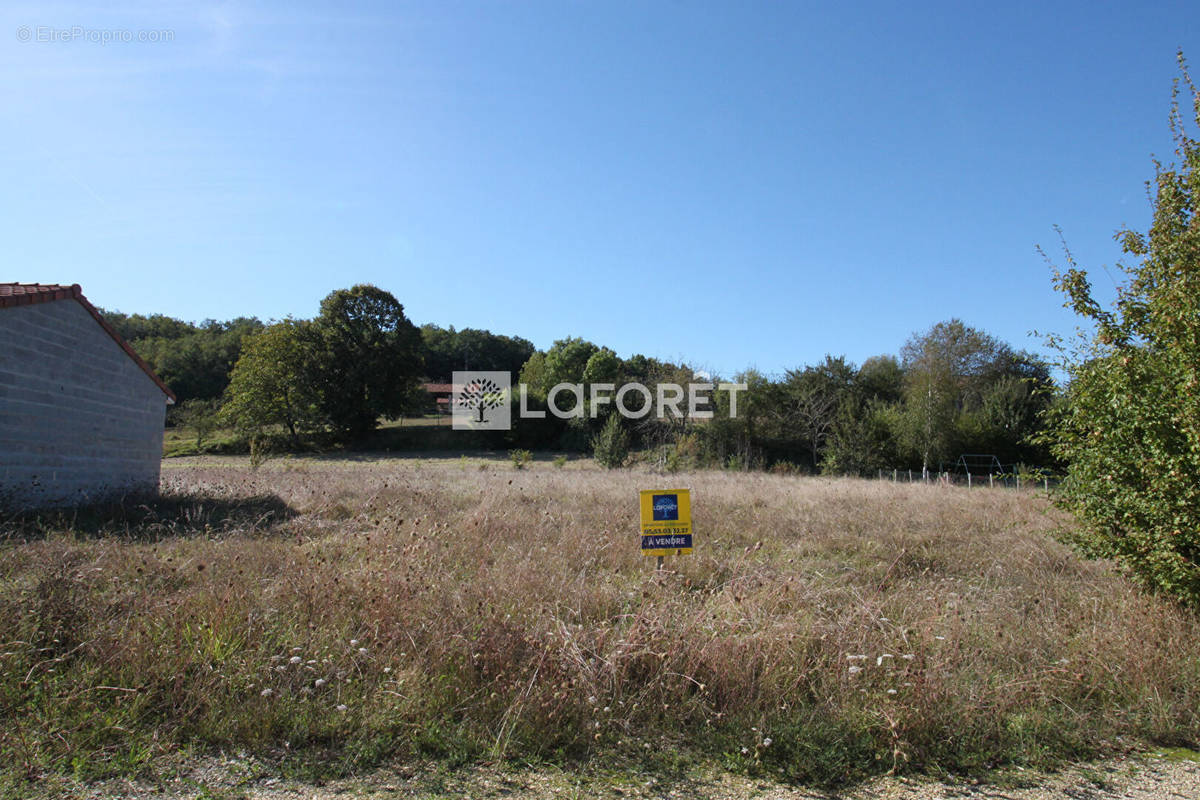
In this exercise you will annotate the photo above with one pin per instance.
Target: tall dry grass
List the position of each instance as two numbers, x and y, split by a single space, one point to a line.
330 614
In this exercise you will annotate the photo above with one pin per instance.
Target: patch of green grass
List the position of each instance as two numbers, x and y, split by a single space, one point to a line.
1176 754
179 441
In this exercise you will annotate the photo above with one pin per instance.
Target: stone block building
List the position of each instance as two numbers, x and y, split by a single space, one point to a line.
81 415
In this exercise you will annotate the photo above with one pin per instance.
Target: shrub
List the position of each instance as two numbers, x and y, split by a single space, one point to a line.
685 453
520 458
741 462
1129 428
560 462
260 451
611 446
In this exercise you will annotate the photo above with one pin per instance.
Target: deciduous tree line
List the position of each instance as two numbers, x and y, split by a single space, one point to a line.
952 389
359 360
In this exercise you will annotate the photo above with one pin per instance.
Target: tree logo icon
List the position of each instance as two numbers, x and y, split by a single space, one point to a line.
482 395
482 400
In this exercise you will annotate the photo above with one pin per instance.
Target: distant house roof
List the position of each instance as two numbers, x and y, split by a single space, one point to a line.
439 388
26 294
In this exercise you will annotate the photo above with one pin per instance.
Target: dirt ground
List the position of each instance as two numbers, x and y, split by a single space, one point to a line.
1151 777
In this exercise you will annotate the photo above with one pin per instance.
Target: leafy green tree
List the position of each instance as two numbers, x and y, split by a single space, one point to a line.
566 360
445 350
133 327
738 439
1129 430
882 378
810 400
602 366
646 370
947 370
369 358
198 415
654 431
273 383
649 372
534 375
863 440
440 352
1012 415
484 350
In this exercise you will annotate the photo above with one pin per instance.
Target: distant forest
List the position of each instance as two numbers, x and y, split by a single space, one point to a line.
950 390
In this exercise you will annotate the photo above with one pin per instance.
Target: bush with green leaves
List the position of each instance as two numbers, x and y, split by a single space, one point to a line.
520 458
1129 429
611 445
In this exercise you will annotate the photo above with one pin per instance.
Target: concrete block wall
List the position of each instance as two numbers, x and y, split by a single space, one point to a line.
79 419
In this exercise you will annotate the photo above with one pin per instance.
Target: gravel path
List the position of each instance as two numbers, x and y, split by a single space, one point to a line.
1140 778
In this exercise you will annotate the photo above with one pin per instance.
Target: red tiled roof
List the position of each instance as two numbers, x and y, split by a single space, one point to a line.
19 294
24 294
437 388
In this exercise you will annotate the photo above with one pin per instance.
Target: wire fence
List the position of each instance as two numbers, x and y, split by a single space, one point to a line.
993 479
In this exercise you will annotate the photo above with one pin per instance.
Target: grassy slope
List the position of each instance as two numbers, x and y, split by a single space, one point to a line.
331 613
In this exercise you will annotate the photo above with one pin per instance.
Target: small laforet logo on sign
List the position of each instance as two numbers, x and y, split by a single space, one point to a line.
666 522
666 507
482 400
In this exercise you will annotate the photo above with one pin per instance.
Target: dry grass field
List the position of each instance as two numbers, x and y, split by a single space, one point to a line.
331 615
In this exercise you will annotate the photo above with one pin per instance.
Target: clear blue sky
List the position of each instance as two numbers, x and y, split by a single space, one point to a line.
736 184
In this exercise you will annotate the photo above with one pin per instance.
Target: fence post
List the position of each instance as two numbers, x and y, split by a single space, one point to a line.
968 480
991 481
1018 480
1045 483
893 476
910 476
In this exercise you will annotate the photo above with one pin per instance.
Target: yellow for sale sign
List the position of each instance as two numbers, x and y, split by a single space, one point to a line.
666 522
